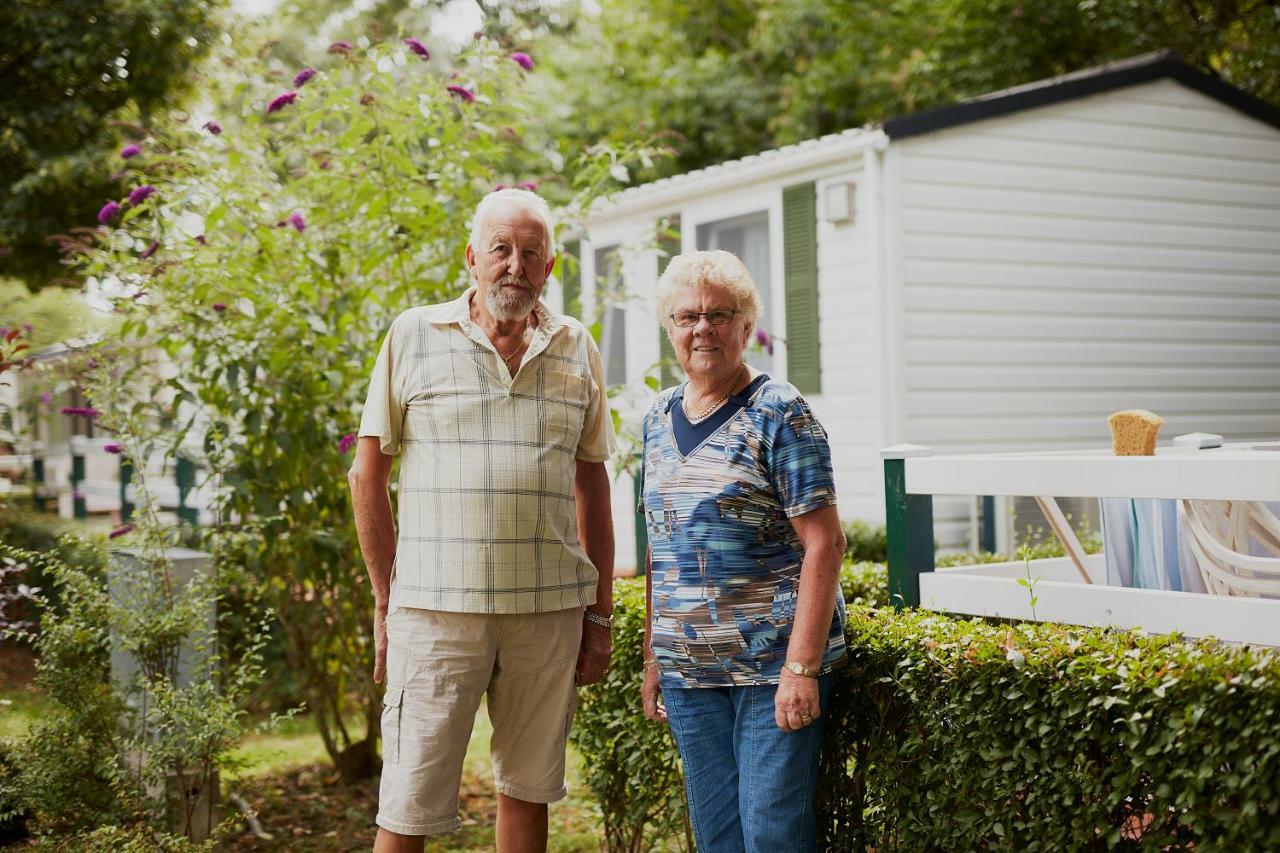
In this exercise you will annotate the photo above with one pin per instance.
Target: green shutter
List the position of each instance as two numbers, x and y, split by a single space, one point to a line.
668 248
800 260
570 275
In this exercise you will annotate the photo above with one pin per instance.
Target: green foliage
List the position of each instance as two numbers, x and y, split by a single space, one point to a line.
1090 540
72 71
864 583
865 542
50 535
950 734
629 763
138 739
285 248
54 314
732 78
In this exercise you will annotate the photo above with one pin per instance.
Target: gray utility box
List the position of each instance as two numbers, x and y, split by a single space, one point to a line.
137 582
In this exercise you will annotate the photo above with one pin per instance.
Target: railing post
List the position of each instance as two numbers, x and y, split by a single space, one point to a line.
987 532
909 525
642 531
185 476
126 477
37 482
78 507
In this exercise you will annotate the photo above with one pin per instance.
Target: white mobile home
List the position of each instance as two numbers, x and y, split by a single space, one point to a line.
1000 274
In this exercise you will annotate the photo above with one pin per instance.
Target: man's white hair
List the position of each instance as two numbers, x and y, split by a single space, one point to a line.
527 201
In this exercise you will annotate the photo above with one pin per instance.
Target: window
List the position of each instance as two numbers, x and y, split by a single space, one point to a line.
748 238
611 313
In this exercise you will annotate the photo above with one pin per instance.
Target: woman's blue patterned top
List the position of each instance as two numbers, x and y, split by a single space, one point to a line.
725 558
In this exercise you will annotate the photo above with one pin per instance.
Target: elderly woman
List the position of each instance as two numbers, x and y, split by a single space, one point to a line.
745 619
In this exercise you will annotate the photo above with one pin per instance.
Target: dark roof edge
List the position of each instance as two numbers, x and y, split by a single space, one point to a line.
1104 78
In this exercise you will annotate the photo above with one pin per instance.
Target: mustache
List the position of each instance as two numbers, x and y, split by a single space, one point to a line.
509 280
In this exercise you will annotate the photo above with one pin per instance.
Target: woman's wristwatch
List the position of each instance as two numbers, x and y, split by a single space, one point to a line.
800 669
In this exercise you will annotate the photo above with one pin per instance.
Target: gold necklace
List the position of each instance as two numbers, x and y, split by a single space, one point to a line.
519 346
707 410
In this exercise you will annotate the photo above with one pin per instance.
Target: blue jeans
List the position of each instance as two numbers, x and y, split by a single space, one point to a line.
749 783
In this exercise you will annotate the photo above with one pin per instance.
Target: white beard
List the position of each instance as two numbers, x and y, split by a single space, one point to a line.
509 304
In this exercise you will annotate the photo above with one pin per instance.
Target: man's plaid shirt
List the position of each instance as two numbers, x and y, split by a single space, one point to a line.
487 519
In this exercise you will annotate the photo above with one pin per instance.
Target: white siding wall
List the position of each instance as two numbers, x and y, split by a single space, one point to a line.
1058 264
850 309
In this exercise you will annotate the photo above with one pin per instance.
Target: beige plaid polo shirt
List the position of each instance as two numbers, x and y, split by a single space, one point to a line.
487 520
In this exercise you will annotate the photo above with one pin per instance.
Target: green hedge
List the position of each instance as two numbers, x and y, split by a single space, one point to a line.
951 734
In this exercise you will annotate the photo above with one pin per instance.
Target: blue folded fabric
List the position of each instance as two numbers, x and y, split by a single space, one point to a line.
1143 545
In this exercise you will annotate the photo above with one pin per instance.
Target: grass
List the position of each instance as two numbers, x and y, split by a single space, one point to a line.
286 778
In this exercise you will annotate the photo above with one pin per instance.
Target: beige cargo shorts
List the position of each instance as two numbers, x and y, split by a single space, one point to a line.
439 665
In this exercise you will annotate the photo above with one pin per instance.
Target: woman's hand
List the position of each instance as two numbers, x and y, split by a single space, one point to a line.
795 705
651 696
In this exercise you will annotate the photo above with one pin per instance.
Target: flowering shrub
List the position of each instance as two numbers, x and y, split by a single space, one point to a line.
277 244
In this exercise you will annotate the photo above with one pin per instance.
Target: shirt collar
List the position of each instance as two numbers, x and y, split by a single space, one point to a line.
459 311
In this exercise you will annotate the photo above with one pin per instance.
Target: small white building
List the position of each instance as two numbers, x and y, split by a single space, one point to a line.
1000 274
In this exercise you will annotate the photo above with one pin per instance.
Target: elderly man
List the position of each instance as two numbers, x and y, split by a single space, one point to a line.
498 409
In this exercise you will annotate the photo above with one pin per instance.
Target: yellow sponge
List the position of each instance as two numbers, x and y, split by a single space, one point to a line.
1133 433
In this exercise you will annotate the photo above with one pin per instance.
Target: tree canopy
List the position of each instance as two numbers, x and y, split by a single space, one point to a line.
733 77
79 79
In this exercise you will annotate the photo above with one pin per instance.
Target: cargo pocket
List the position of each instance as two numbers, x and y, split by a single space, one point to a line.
391 703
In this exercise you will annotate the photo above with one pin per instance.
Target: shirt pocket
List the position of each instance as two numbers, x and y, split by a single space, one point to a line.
564 406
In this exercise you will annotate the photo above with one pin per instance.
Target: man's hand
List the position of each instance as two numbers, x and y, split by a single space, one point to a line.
651 696
593 656
379 643
795 705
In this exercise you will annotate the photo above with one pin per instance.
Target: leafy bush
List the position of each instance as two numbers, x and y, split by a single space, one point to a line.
1090 540
865 542
630 763
117 748
864 583
960 734
39 533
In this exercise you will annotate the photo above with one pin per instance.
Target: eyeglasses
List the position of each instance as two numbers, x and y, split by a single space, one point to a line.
689 319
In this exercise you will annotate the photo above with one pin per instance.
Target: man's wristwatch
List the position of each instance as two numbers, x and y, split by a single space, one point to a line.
800 669
597 619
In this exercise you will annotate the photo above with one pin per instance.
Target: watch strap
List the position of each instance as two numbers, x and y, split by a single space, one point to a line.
801 670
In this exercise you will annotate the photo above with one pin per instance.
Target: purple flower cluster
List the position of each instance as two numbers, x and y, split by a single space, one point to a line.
81 411
46 398
113 448
765 340
341 47
295 219
300 79
108 212
120 531
418 48
345 443
129 151
461 93
281 101
212 126
150 250
522 59
140 194
219 307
